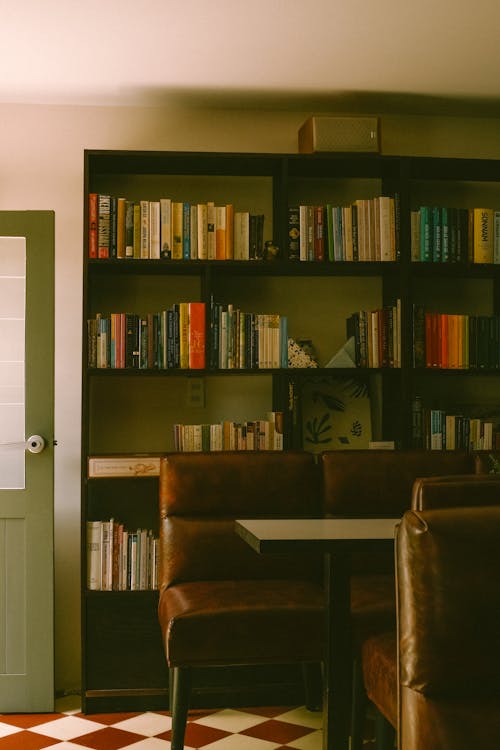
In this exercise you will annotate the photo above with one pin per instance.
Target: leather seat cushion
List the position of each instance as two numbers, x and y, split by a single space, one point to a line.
241 622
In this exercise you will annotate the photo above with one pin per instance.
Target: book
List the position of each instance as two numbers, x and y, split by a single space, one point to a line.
211 222
166 228
154 229
220 233
229 231
202 231
196 315
144 251
121 207
483 228
177 230
93 555
104 226
241 235
124 465
129 229
93 223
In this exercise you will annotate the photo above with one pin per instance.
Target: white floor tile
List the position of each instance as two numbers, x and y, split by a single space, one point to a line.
6 729
147 724
312 719
313 741
230 720
67 727
241 742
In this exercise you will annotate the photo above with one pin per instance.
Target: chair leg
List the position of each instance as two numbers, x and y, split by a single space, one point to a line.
312 677
385 734
359 706
180 685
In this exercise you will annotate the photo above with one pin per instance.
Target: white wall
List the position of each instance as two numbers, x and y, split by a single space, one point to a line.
41 158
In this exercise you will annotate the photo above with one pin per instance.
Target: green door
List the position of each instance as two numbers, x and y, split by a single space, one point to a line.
26 461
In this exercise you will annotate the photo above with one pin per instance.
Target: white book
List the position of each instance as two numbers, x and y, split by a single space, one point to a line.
202 231
94 555
241 235
154 229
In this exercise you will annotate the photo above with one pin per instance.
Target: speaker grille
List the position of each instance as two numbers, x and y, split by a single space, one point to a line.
323 134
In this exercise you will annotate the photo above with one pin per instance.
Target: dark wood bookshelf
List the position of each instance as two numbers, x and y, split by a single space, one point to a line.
123 662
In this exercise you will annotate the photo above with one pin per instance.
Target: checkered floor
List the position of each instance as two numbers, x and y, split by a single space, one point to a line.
228 729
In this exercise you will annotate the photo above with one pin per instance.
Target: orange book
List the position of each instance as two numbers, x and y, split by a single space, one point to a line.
196 316
444 360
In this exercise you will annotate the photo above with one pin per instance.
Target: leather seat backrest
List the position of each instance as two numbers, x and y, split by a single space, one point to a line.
455 491
448 583
202 494
379 482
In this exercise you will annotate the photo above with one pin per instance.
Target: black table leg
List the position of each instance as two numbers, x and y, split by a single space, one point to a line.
338 661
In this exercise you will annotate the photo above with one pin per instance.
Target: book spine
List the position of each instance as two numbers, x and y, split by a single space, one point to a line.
144 252
104 218
196 313
154 229
93 223
166 228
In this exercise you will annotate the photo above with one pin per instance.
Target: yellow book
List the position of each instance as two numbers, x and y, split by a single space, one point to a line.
483 235
177 229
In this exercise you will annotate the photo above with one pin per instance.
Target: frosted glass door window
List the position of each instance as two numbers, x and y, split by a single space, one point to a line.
12 361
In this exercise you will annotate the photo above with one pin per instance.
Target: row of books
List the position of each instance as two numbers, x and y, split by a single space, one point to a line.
377 336
366 230
173 338
442 234
455 341
176 230
120 560
245 341
436 429
176 338
251 435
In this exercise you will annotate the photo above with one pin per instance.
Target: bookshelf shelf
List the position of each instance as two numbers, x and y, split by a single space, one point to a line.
133 410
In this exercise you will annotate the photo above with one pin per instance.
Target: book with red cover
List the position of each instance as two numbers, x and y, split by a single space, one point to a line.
196 335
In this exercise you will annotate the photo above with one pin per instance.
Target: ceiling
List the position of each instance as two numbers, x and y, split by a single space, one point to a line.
379 56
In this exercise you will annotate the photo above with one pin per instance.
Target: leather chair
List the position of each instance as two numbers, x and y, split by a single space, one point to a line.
379 648
377 483
220 603
448 584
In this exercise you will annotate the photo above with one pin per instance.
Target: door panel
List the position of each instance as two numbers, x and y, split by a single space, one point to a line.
26 479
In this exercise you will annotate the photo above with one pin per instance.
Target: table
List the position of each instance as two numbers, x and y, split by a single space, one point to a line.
337 539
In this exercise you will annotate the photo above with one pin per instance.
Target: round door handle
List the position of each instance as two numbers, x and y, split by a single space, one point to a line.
35 444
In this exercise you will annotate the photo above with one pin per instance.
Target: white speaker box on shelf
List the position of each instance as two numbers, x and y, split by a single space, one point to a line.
350 134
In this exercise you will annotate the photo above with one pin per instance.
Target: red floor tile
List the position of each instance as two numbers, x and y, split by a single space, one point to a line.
277 731
25 740
28 720
197 735
109 738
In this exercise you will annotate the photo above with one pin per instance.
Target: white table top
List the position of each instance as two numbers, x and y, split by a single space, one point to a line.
316 534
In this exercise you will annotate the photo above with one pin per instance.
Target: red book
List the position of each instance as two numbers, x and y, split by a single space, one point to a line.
92 225
196 312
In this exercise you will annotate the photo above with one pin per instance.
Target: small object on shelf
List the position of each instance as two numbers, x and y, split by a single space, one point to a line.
271 250
298 356
346 355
